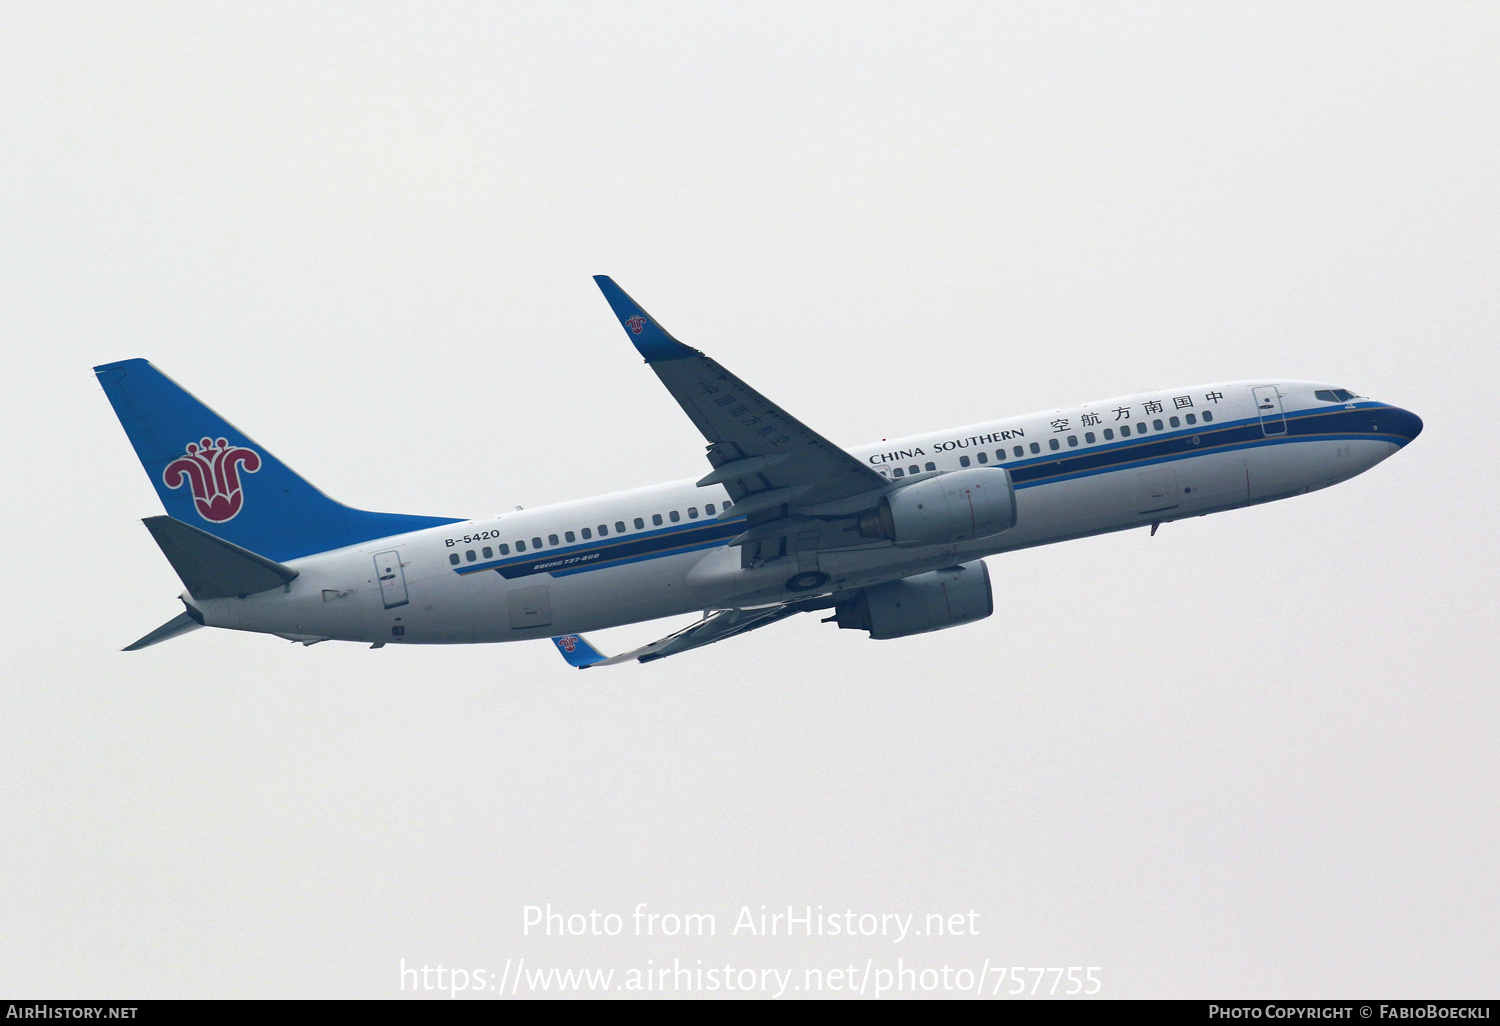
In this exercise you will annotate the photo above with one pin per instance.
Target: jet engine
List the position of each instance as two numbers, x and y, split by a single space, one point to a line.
916 605
953 507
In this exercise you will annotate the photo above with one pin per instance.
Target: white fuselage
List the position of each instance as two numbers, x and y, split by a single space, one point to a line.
1074 471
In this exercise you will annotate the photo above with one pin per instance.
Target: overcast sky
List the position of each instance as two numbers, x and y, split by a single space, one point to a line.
1254 755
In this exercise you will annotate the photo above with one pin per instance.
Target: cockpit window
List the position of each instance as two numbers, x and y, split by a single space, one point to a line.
1334 395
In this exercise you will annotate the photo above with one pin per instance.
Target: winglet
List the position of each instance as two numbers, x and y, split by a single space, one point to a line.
577 652
653 341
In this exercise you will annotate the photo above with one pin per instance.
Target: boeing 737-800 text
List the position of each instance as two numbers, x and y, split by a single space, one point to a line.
889 537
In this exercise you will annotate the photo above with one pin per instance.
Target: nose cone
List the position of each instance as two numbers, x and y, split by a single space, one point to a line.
1405 423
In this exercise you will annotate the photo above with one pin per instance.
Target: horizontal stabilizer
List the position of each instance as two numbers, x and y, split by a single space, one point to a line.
182 623
212 567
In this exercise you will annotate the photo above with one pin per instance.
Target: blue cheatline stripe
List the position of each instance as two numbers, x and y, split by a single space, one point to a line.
1314 425
1045 468
626 549
675 550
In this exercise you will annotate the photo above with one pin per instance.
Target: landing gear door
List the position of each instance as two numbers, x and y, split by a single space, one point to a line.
1268 407
392 579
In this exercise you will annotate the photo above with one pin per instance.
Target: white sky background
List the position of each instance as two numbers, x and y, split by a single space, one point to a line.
1254 755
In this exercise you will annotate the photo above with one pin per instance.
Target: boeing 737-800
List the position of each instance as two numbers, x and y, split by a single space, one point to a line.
889 537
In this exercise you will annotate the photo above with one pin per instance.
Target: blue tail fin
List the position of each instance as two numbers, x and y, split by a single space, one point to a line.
213 476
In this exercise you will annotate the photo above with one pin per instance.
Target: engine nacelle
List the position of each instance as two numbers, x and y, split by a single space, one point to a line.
956 507
916 605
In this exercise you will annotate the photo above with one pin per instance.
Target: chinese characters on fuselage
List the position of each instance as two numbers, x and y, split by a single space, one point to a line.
1060 425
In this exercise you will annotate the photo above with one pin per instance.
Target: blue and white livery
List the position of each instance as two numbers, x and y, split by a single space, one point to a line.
887 538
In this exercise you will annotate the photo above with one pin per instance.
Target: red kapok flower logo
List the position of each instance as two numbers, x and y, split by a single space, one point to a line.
212 470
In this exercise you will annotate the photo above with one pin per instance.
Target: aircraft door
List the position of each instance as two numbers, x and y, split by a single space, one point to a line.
1268 407
392 579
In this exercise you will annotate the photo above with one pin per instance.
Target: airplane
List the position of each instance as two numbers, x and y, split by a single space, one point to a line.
887 538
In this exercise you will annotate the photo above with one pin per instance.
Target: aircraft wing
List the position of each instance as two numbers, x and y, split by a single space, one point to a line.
716 626
768 460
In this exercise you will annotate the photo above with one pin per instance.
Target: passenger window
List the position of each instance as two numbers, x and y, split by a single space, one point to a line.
1124 430
520 545
932 466
1175 422
1053 444
913 469
604 530
1072 441
727 504
999 454
619 527
551 539
536 543
1035 448
1156 424
1191 419
587 534
640 525
1109 434
692 512
983 457
570 537
1207 416
708 509
453 558
656 519
1018 452
1088 436
674 516
470 556
488 552
504 549
898 472
963 461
